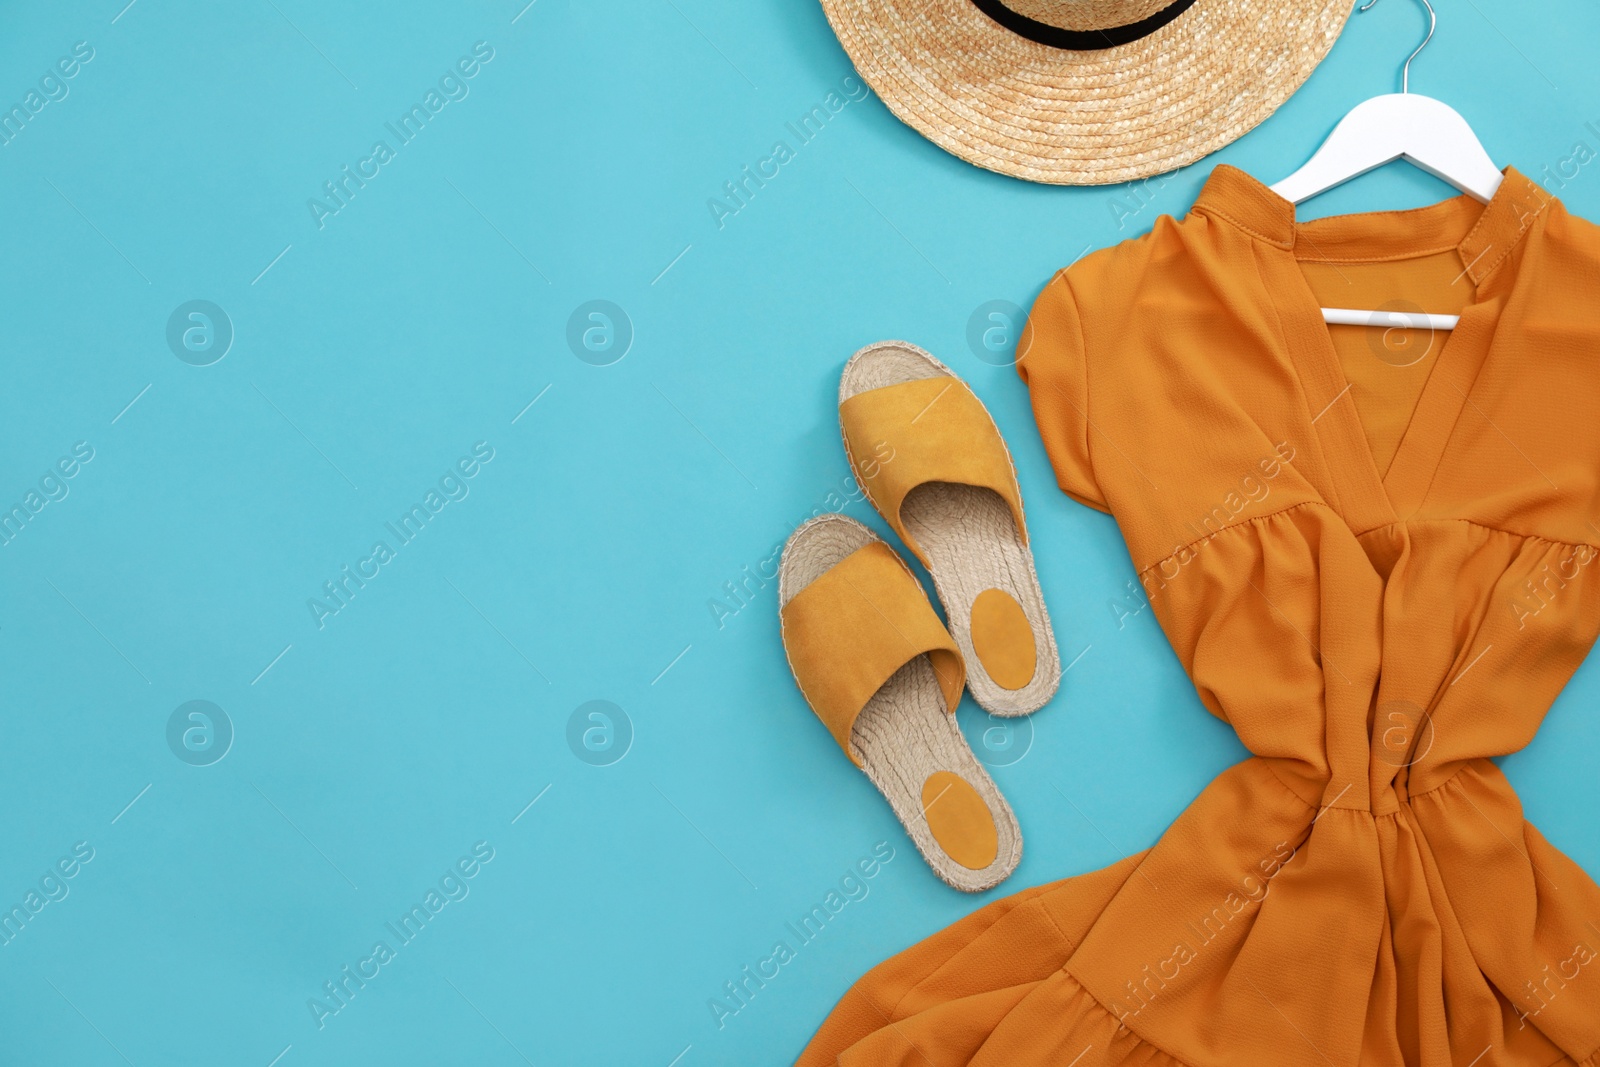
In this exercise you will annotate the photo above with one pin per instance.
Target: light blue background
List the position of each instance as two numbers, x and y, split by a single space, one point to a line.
424 317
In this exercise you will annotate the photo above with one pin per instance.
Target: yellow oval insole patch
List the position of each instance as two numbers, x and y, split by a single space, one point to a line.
960 820
1003 639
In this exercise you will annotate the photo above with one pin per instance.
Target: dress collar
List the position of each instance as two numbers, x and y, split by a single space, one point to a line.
1483 235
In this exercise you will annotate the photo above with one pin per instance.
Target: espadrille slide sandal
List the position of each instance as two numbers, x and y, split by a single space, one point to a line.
879 669
933 464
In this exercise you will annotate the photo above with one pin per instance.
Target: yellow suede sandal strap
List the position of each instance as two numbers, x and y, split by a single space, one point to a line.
926 430
849 631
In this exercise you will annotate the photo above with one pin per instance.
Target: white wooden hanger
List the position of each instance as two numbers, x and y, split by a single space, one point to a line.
1419 129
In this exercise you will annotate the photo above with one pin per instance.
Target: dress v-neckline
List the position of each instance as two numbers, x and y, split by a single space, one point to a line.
1484 235
1372 497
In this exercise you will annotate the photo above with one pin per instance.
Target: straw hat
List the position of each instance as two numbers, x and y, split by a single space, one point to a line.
1085 92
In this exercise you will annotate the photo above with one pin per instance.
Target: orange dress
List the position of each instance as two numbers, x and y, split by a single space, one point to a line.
1374 553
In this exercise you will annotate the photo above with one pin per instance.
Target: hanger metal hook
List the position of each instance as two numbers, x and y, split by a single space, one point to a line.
1433 24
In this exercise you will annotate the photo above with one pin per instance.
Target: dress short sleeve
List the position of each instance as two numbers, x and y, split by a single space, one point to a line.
1052 360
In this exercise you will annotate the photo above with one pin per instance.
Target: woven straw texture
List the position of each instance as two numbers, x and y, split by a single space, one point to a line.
1003 102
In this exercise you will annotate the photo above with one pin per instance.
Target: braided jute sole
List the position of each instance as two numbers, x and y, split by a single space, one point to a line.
905 735
970 539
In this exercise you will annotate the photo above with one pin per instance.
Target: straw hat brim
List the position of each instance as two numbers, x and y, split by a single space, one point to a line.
1046 114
